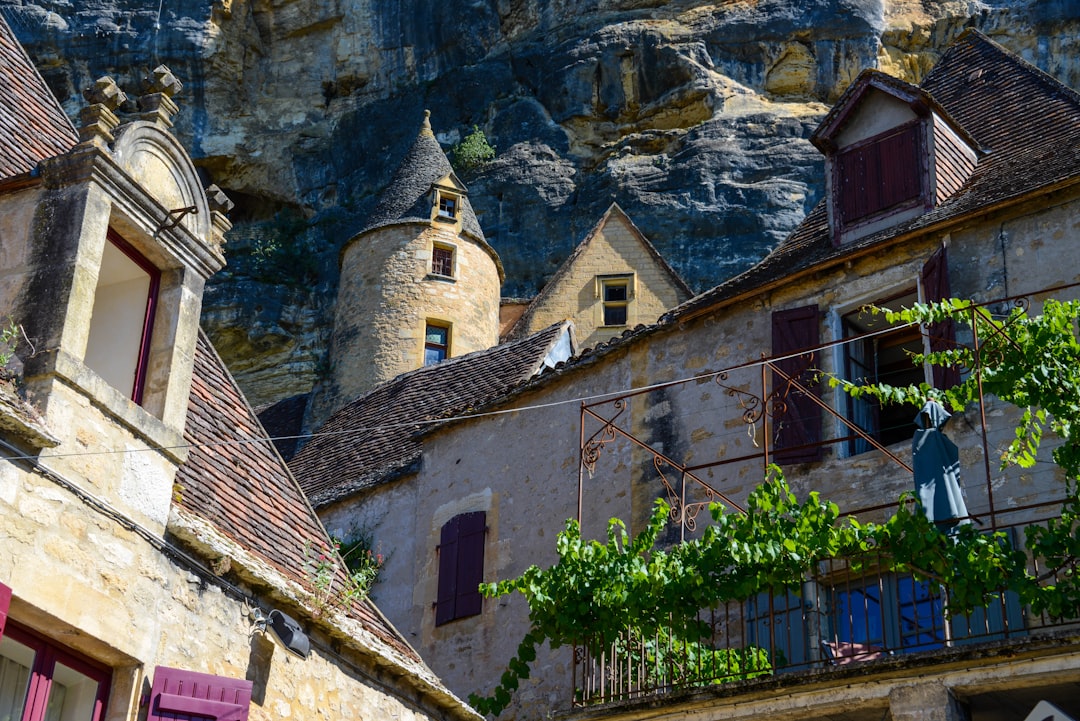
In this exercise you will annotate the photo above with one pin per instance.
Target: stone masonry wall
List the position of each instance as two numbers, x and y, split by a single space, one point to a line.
613 249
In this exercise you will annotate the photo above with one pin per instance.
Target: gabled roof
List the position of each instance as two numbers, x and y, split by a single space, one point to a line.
613 211
1027 122
920 101
234 479
407 198
375 437
33 126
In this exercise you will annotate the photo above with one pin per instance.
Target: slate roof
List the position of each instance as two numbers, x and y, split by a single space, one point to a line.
1027 123
284 421
407 197
238 482
33 126
376 436
550 286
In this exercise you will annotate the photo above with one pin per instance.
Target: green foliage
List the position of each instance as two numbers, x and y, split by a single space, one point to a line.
9 340
472 152
334 587
599 594
279 251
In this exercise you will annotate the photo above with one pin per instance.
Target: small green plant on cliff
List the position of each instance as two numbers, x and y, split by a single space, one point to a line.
9 340
597 591
472 152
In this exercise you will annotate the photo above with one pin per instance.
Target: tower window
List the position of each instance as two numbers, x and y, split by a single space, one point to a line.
436 343
448 205
442 260
118 347
615 296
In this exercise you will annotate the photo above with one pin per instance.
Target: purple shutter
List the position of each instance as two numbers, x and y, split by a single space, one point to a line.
797 428
5 604
179 694
446 602
935 282
470 563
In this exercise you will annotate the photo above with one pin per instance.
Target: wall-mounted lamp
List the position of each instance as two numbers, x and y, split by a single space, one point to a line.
284 629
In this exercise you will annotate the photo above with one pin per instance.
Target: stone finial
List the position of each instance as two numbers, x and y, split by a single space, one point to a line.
98 120
218 201
425 128
220 205
163 81
157 104
105 92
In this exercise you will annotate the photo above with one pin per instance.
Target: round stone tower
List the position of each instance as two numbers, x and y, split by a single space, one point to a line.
418 284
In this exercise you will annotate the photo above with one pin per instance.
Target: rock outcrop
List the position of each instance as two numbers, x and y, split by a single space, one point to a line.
692 115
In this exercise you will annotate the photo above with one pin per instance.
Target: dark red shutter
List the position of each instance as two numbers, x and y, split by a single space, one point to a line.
935 282
446 602
798 426
878 174
470 563
5 604
180 694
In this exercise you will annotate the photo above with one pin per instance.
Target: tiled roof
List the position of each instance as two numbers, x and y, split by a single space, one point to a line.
33 126
1028 123
376 436
407 197
283 421
238 482
567 264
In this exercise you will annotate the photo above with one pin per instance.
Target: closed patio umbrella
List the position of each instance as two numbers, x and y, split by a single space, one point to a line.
936 461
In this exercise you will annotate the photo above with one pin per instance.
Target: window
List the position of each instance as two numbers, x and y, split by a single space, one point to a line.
461 567
436 343
118 346
615 297
874 356
778 623
442 260
40 681
448 205
879 174
872 615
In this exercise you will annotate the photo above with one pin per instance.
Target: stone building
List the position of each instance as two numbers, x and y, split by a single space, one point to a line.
613 281
153 542
967 185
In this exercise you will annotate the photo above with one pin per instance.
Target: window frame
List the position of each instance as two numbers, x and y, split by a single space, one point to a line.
142 361
624 281
445 198
450 262
432 346
47 654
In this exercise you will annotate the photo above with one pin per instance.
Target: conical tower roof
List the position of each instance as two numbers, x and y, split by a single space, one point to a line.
407 199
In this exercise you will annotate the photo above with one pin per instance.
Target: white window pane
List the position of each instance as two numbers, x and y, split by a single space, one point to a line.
16 660
72 696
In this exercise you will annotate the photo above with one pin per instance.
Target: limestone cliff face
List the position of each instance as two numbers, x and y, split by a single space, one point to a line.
692 115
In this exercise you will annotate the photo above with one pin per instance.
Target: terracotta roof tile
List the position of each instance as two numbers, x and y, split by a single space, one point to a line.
236 480
33 126
376 436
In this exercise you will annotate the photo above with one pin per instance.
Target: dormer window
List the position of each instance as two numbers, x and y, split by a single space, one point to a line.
448 205
879 175
118 346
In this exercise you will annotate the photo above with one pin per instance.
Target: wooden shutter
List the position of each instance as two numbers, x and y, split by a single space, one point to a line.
446 602
461 567
935 283
799 424
879 173
180 694
5 604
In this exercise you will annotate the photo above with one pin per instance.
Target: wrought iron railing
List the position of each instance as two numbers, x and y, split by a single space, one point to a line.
837 616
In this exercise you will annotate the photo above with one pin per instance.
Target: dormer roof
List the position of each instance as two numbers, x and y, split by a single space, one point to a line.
918 99
33 126
409 196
